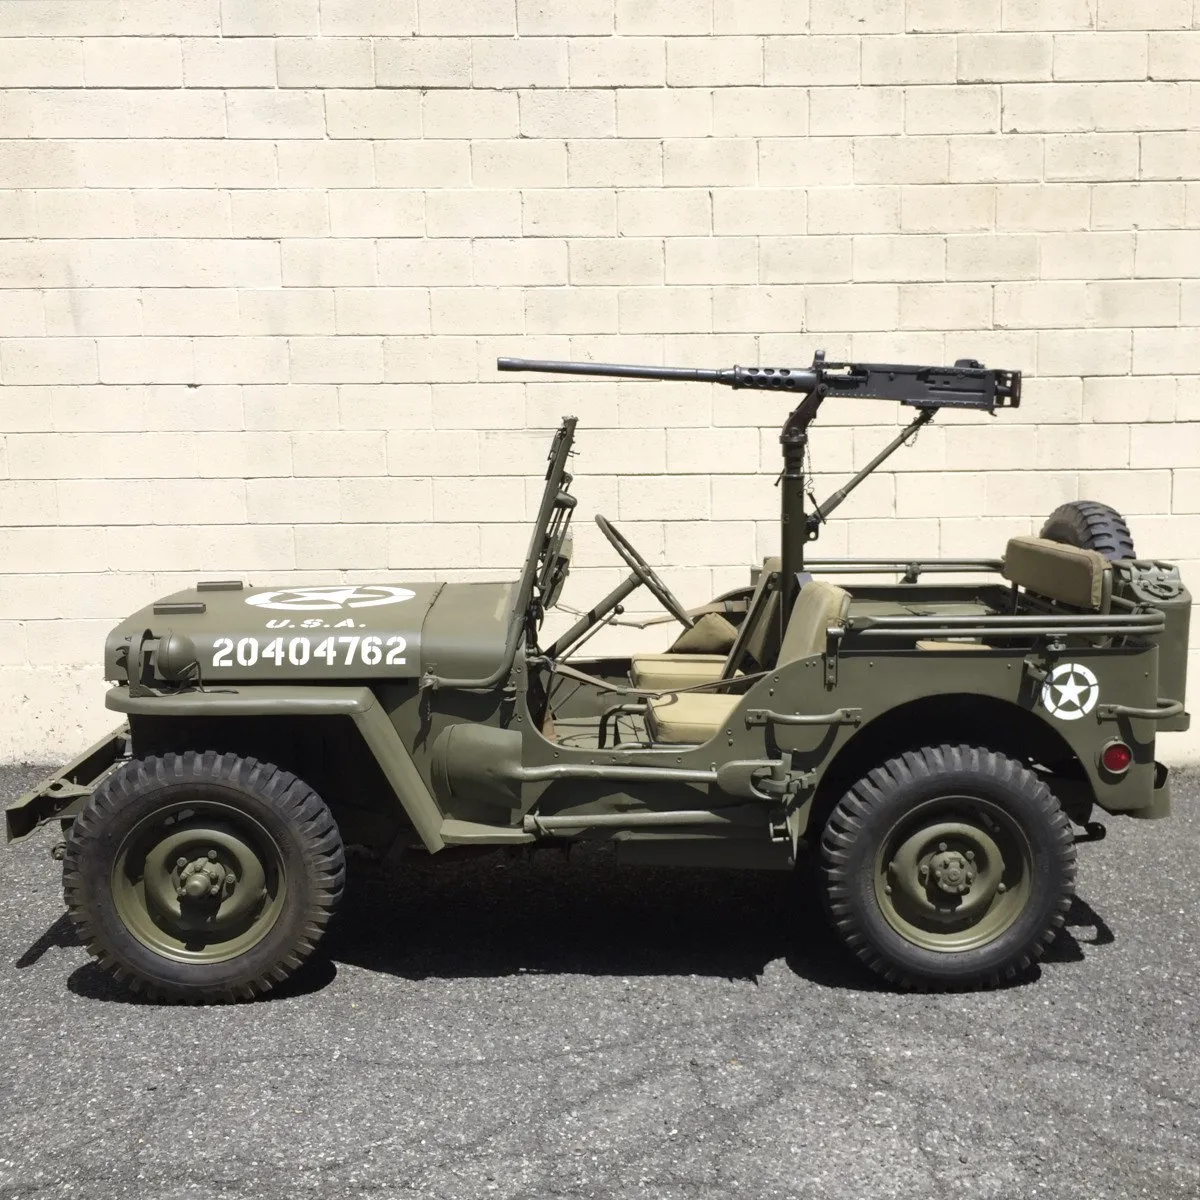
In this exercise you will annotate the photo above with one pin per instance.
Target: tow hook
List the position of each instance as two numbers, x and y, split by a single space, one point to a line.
1093 831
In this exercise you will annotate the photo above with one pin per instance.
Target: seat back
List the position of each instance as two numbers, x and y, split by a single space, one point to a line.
1067 574
818 606
758 631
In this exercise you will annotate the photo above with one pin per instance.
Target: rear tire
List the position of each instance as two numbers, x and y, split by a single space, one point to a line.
1091 526
202 877
949 867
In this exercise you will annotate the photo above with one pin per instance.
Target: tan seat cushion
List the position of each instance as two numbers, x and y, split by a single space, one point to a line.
711 634
662 672
1064 573
818 606
689 718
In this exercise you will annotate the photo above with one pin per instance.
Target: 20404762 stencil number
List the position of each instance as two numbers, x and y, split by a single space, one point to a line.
342 651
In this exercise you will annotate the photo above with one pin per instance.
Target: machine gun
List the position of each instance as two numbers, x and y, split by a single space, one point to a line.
967 384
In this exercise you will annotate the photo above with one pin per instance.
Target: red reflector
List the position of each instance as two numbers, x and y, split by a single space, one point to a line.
1116 757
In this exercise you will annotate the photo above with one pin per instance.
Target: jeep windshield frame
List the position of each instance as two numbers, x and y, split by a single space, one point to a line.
544 563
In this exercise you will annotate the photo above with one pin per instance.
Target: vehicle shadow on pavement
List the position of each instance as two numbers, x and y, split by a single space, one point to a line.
496 916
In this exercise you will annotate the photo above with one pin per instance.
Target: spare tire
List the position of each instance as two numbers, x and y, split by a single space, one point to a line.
1091 526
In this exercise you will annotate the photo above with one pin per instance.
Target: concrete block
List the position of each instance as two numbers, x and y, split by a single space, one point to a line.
709 162
31 62
1099 156
474 17
571 310
376 212
276 114
543 17
431 164
1083 352
519 261
1103 57
712 260
229 62
1037 207
291 310
579 213
328 262
664 310
453 213
279 212
466 114
1141 205
972 108
341 359
964 208
412 263
854 210
815 61
368 17
424 62
890 160
187 213
648 112
802 259
373 114
915 58
131 62
618 62
48 360
995 257
885 258
182 312
324 62
1004 57
778 211
945 305
1087 255
613 162
849 111
520 63
475 310
765 112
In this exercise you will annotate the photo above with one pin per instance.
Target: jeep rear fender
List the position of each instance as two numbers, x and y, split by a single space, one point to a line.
357 703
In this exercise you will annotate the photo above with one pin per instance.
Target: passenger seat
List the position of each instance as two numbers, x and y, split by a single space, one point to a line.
695 717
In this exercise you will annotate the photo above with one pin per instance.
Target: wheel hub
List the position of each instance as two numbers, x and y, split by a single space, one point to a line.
202 878
947 872
952 872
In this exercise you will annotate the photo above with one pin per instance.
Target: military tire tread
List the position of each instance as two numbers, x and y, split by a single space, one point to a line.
865 805
302 810
1091 526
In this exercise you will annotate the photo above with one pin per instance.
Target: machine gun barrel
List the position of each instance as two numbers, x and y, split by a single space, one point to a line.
967 384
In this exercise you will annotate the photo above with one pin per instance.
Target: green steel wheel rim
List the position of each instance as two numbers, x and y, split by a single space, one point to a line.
199 882
954 873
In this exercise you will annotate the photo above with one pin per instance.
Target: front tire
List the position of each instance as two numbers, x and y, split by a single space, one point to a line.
948 867
202 877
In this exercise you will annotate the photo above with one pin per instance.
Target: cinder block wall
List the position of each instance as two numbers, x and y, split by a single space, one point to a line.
257 258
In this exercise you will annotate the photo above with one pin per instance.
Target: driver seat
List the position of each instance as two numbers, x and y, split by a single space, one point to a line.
690 718
722 656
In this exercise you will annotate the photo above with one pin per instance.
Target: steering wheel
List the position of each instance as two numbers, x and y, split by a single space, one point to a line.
645 573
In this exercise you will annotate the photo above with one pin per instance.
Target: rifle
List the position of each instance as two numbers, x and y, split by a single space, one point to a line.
967 384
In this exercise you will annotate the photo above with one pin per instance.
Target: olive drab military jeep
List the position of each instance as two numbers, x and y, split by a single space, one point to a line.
934 736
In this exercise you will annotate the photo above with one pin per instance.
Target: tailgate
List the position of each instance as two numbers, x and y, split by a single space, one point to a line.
63 793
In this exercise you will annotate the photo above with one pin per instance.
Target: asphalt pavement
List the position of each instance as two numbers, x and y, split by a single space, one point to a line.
566 1028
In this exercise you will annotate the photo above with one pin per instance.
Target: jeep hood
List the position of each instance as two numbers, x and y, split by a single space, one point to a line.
325 632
